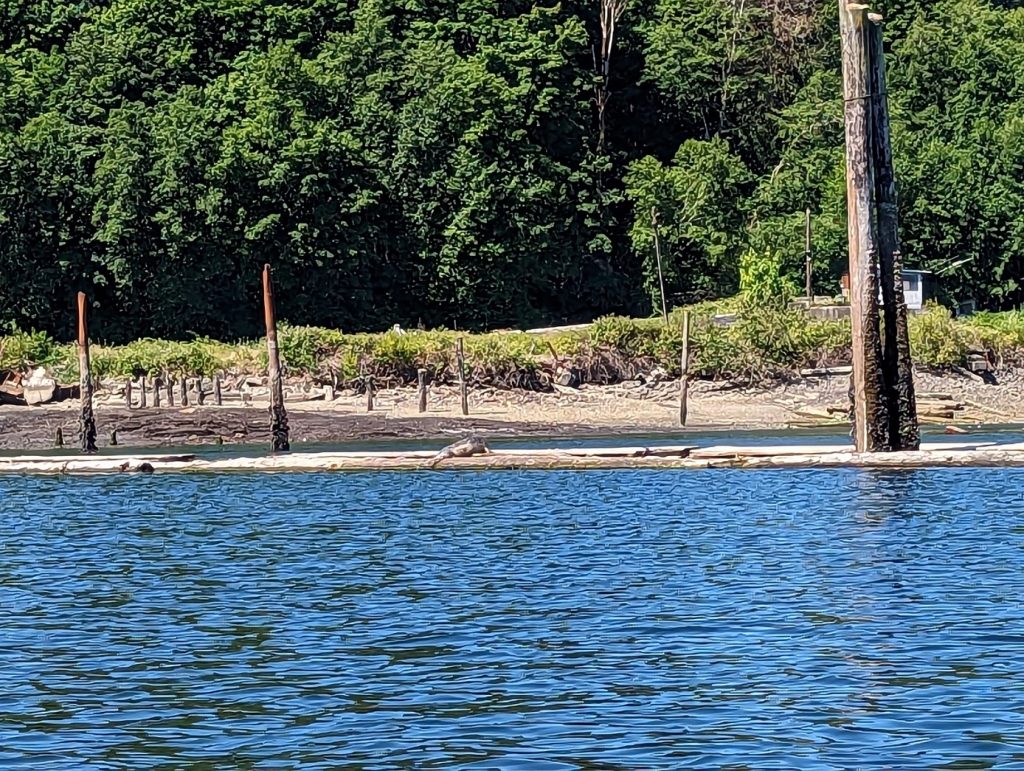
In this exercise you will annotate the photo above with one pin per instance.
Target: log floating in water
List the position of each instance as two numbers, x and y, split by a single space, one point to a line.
935 455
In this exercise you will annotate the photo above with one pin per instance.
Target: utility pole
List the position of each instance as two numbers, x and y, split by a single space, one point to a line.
657 253
808 268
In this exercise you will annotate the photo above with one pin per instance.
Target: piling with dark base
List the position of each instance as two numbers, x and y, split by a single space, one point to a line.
421 378
128 393
460 354
87 422
113 437
170 391
158 385
684 365
369 392
183 391
278 416
142 392
218 398
58 437
904 433
870 418
200 393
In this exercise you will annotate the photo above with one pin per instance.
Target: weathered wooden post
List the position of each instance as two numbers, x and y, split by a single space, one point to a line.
278 416
368 381
218 397
808 267
904 432
684 365
460 355
158 385
421 378
169 384
113 437
58 438
142 392
128 393
87 424
870 421
183 391
200 393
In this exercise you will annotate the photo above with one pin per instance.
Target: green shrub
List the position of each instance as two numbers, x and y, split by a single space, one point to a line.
936 340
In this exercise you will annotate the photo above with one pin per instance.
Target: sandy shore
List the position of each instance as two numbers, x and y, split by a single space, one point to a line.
625 408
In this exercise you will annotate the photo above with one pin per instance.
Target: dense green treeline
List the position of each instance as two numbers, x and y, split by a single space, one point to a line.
473 162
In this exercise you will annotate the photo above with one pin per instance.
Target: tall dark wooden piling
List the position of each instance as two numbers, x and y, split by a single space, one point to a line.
142 393
169 383
870 418
218 397
87 422
904 433
684 376
370 388
460 355
421 379
158 385
200 393
183 391
278 416
128 393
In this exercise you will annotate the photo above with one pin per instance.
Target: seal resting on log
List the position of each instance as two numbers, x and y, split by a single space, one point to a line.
464 448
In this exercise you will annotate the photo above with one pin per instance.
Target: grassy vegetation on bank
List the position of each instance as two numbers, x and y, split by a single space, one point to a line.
761 344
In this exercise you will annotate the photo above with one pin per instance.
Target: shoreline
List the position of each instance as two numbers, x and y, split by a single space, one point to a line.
625 409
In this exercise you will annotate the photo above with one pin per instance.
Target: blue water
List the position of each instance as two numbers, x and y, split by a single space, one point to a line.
513 620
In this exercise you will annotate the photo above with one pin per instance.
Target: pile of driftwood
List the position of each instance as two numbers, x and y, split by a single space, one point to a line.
937 408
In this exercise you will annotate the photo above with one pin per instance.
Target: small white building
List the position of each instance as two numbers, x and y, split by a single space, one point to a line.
918 288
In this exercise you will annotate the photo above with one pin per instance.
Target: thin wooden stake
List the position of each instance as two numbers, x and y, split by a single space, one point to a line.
142 393
870 422
460 353
87 424
158 385
369 392
684 365
421 377
128 393
183 391
200 393
169 383
218 398
278 416
904 432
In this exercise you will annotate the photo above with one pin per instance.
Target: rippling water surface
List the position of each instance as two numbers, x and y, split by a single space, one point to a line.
513 620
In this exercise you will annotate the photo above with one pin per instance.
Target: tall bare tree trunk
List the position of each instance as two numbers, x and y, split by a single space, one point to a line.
611 12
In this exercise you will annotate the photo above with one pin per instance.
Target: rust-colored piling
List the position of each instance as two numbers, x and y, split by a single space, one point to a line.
684 366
